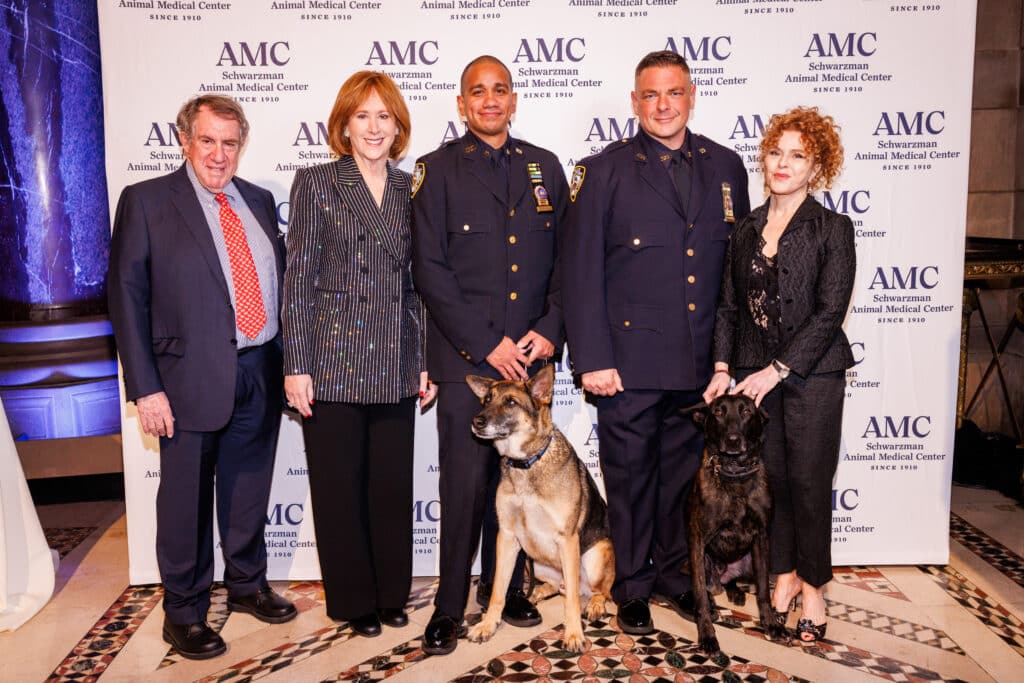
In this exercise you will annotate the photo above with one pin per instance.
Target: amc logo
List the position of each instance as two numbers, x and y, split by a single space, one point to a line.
283 212
857 349
914 123
162 135
847 499
285 513
914 277
451 132
748 127
836 45
263 54
311 134
559 50
610 129
847 201
592 436
889 427
703 49
426 511
393 53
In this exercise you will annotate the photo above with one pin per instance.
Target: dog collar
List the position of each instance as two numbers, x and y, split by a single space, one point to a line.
529 462
734 475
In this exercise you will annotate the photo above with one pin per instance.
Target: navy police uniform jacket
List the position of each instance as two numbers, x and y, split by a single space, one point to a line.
484 256
641 276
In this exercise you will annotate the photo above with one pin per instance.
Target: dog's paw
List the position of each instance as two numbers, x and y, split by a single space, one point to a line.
709 646
543 592
597 608
736 596
482 632
573 640
777 632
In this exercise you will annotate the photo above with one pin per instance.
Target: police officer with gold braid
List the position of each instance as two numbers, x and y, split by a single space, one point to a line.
486 209
642 256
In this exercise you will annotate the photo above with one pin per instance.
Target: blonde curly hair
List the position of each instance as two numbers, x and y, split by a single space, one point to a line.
820 136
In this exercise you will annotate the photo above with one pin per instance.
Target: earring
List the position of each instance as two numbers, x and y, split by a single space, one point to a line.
345 132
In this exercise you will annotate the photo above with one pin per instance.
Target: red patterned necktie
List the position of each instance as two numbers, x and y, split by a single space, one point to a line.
250 315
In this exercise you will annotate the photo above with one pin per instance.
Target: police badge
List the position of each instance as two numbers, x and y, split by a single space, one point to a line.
578 174
418 174
727 210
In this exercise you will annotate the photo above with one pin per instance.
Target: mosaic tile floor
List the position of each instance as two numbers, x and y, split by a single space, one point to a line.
956 622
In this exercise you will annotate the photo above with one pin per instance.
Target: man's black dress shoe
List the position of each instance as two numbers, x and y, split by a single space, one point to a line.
683 604
265 605
519 611
634 617
367 625
393 616
442 634
194 641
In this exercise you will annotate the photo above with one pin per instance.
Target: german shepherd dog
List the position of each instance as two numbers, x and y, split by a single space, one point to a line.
547 504
729 510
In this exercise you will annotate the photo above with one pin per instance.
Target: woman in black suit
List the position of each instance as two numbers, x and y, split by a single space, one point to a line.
353 343
788 277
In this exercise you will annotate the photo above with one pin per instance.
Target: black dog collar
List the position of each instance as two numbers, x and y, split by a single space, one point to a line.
735 476
529 462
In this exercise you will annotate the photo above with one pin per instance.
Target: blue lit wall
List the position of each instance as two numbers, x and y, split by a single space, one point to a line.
54 222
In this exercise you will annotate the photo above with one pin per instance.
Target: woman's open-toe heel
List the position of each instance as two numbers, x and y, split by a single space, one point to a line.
806 627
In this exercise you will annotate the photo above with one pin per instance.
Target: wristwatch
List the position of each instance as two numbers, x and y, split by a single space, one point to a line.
781 369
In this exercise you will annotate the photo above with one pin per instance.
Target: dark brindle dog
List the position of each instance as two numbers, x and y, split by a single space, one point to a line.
547 504
729 510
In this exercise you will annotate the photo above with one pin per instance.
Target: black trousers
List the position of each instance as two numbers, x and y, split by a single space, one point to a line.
236 462
649 455
801 451
360 460
468 483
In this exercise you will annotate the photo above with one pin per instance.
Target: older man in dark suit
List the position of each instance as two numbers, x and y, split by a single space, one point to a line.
486 208
195 274
643 252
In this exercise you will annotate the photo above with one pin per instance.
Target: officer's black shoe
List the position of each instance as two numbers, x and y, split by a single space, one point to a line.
683 604
394 617
194 641
519 611
265 605
483 594
442 634
367 625
634 617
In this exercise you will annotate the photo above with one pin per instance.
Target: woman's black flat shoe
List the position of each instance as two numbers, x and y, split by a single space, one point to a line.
394 617
367 625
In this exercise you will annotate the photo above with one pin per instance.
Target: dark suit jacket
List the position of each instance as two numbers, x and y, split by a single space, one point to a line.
817 263
169 300
352 319
640 278
485 267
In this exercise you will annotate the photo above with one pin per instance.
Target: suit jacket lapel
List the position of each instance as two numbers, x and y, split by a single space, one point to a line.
808 210
479 167
254 201
655 174
518 177
195 223
356 196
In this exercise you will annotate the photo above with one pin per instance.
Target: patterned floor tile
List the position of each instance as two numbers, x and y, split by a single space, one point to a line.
283 655
400 658
421 596
64 540
305 594
908 630
997 618
1007 562
869 579
90 658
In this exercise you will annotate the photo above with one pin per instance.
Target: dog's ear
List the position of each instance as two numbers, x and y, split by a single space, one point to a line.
699 412
542 384
479 385
763 413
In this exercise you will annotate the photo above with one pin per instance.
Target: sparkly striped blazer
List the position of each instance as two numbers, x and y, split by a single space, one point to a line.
351 318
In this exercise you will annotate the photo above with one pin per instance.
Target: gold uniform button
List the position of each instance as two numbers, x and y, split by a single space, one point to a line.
515 268
689 252
511 239
636 241
691 226
691 279
465 227
469 357
692 307
512 212
513 296
625 324
547 224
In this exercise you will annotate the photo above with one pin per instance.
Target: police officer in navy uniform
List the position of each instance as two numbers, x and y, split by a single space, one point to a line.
642 257
485 212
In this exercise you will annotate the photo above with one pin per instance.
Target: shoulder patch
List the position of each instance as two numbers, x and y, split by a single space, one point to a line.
578 174
419 173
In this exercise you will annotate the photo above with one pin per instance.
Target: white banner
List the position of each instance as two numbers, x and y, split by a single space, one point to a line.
895 75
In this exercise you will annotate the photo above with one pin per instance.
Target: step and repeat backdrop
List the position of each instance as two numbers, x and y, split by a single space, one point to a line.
896 75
